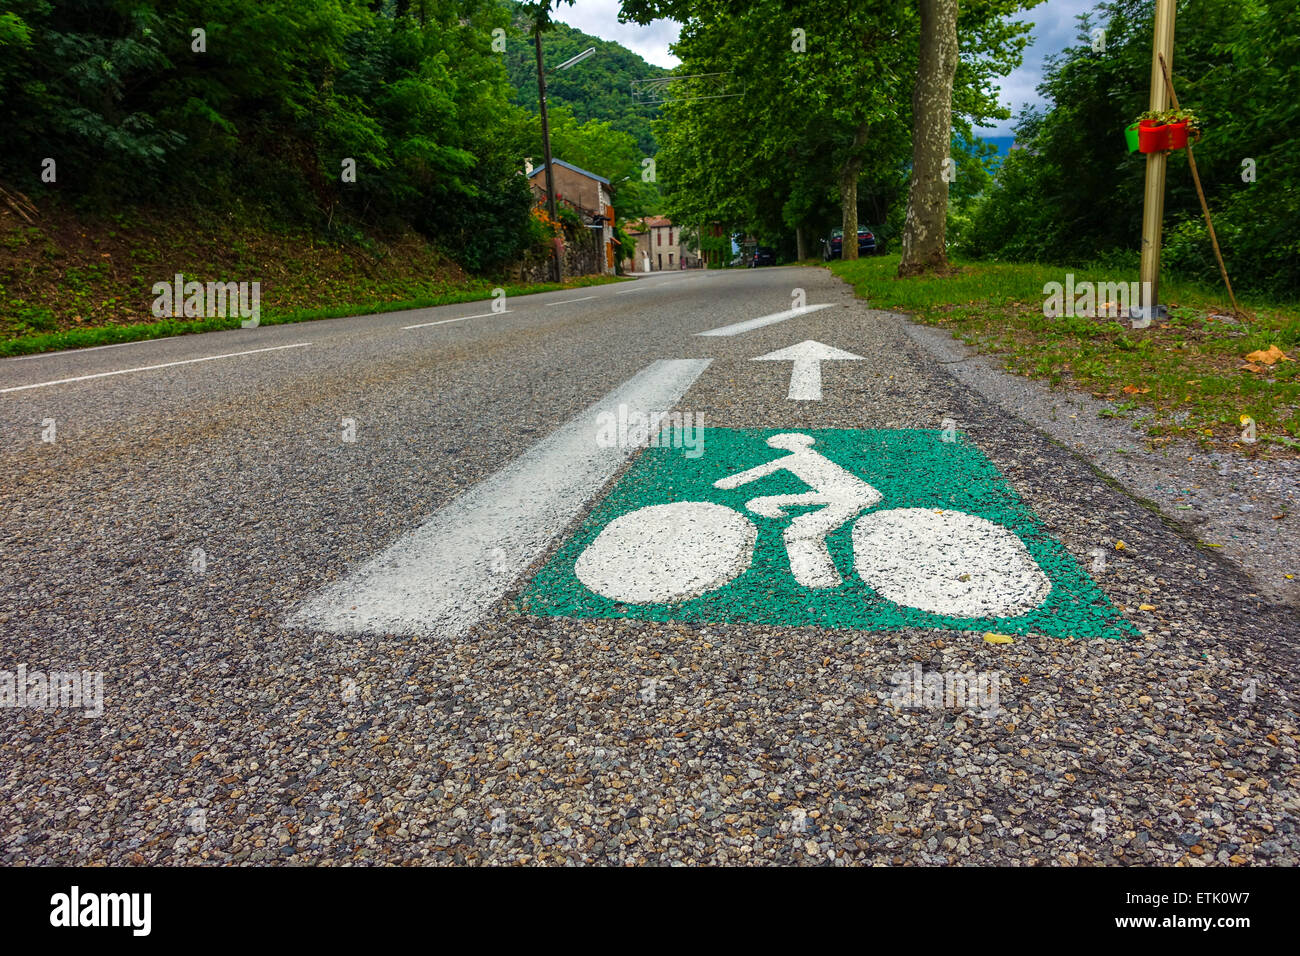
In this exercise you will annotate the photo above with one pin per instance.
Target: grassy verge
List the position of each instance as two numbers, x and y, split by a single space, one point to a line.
113 334
71 280
1183 378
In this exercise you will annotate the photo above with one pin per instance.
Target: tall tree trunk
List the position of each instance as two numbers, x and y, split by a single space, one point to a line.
924 248
801 247
849 193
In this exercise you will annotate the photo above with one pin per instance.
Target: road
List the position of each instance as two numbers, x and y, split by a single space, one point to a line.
333 577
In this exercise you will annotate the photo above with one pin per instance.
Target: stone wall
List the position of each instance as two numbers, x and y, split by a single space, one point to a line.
583 256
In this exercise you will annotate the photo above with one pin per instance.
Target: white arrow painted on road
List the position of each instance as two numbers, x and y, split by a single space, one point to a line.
806 377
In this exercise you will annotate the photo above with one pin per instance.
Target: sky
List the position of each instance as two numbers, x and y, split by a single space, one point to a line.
1054 29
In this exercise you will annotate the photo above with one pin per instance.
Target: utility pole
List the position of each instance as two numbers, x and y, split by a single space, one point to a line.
557 268
1153 206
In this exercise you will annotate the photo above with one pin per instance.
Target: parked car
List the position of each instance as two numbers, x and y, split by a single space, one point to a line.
763 256
833 246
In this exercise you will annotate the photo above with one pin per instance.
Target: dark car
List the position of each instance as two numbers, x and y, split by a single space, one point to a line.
763 256
833 247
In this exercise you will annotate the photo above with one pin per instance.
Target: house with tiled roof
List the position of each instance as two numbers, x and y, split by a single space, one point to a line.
585 192
660 247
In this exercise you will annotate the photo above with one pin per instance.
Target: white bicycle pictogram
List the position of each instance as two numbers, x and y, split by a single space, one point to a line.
946 562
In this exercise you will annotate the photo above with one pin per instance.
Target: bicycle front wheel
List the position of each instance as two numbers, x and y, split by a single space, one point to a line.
947 562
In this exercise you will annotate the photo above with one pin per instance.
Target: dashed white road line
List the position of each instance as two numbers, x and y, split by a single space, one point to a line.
736 328
484 315
441 578
93 348
150 368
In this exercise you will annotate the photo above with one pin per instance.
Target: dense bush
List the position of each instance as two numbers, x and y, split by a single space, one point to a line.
267 107
1072 193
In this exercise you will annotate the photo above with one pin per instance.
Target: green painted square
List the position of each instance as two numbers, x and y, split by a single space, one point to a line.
912 468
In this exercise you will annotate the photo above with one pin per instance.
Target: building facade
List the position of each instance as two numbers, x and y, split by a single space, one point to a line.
586 193
660 246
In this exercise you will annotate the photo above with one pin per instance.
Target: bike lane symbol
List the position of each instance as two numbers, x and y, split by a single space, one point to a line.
873 529
841 496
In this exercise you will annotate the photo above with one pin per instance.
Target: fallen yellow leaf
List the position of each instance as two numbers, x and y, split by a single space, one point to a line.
994 638
1270 356
1146 607
1134 390
1120 546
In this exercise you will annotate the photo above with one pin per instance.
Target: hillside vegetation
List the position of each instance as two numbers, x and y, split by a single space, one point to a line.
336 151
599 88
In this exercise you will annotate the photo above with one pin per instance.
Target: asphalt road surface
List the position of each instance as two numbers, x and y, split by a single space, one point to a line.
349 592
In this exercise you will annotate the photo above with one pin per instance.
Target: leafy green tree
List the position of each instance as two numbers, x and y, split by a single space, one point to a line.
269 105
821 106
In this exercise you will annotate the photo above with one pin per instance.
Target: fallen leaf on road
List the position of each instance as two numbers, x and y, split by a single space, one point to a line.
994 638
1146 607
1120 545
1270 356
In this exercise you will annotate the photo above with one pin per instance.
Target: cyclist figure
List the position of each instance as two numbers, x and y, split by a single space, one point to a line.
842 495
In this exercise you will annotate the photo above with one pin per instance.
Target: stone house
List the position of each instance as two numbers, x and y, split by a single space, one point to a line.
586 193
660 246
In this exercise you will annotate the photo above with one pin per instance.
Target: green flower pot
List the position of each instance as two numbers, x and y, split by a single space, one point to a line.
1131 136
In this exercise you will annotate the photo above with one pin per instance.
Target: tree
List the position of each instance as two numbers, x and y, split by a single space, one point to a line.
815 119
924 247
266 108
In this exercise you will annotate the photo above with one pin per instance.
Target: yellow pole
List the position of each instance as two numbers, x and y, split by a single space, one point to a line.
1153 208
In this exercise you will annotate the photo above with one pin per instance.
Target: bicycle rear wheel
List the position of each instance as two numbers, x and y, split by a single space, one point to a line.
665 553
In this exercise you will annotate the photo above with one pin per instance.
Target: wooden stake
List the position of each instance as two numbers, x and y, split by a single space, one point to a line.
1196 178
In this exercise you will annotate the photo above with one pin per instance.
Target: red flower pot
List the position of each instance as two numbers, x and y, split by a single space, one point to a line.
1177 135
1153 137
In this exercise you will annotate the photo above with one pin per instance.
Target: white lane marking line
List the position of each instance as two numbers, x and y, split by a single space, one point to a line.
750 324
93 348
485 315
441 578
806 376
567 301
150 368
642 288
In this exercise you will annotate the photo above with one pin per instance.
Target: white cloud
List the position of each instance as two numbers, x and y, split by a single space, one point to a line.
600 18
1055 28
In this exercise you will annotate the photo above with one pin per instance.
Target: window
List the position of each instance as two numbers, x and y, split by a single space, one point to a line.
661 261
659 235
670 236
670 260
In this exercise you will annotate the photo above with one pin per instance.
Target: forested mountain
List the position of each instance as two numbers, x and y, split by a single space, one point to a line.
599 88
